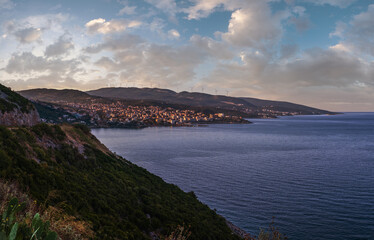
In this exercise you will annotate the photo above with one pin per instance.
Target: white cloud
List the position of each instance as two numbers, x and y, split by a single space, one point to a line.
173 34
28 35
255 26
358 34
341 47
128 10
102 26
203 8
30 29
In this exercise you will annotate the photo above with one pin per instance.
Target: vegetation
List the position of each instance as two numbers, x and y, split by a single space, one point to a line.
11 229
67 169
66 226
13 100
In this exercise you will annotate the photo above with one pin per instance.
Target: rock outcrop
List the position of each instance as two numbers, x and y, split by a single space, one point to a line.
18 118
16 110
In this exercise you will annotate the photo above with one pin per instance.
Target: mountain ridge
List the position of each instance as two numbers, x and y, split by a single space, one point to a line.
250 106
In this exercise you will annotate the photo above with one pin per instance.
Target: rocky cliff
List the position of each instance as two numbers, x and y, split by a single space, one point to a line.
16 110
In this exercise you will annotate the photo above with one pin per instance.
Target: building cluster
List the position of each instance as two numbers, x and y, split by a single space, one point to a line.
118 113
271 113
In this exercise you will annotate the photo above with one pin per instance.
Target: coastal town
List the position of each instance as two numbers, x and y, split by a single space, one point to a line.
118 114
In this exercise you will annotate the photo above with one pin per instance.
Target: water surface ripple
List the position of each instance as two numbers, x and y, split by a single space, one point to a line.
315 174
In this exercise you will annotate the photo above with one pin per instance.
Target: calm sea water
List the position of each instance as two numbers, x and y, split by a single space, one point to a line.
314 174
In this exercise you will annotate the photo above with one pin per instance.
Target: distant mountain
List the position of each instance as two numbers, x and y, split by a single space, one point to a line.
186 98
201 99
285 106
57 96
248 107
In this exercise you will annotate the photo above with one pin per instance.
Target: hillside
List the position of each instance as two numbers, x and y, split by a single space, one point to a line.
202 99
245 107
67 167
58 96
16 110
186 98
285 106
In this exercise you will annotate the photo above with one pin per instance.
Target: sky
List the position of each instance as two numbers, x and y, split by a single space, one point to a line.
314 52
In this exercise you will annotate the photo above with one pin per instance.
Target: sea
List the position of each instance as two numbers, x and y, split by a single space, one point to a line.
314 175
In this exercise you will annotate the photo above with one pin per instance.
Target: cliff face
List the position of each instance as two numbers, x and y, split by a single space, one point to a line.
19 118
16 110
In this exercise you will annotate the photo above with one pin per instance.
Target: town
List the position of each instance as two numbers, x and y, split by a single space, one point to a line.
118 114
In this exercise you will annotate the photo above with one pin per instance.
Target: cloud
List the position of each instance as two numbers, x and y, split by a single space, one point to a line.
361 31
6 4
358 34
146 63
115 43
102 26
167 6
288 51
30 29
127 10
244 29
51 80
28 35
339 30
212 48
45 21
302 78
108 64
173 34
202 9
28 63
335 3
301 23
62 46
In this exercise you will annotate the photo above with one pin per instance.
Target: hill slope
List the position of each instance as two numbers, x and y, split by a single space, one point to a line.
15 110
56 96
202 99
186 98
69 168
285 106
66 167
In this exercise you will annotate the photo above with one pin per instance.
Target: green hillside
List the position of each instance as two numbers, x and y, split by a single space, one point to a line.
66 167
10 100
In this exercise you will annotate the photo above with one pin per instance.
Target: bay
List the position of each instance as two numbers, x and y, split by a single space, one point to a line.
314 174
